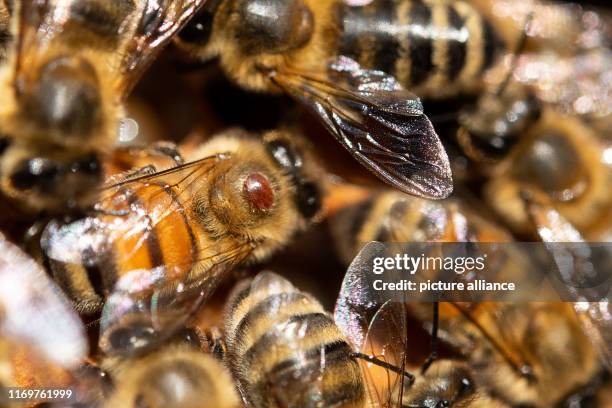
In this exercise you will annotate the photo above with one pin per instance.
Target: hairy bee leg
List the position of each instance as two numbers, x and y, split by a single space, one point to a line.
88 306
167 149
433 355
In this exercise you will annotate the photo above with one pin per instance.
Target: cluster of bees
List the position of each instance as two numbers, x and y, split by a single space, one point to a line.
130 270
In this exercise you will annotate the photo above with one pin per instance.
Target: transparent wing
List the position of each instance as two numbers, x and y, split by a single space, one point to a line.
376 326
379 123
158 21
55 27
123 36
147 307
34 311
126 216
596 320
585 270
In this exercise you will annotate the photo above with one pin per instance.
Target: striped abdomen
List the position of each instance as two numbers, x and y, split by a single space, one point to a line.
286 351
433 48
154 232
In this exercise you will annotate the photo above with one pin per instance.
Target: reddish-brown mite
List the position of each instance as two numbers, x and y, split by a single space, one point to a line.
259 192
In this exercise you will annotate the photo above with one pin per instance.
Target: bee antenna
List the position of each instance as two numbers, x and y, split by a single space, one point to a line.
520 46
433 355
384 364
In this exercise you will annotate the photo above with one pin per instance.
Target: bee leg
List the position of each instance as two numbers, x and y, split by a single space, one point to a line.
433 355
166 150
384 364
88 306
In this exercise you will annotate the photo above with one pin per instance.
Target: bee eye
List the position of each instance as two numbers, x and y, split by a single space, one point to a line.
39 173
466 386
199 28
258 192
131 340
285 155
308 199
88 165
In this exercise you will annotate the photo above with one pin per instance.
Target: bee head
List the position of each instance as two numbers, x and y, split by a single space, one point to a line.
445 384
289 158
65 99
271 26
259 192
50 181
497 122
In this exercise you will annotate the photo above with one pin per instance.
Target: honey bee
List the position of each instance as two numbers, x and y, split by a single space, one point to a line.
157 245
286 351
518 374
395 217
491 128
41 337
562 163
69 68
492 337
175 376
342 61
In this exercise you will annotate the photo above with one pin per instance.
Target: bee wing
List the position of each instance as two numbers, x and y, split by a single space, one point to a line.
152 290
35 312
126 216
147 307
584 270
379 123
596 320
139 29
375 325
157 22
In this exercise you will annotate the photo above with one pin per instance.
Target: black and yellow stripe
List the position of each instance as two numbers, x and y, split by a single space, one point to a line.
276 333
429 46
165 238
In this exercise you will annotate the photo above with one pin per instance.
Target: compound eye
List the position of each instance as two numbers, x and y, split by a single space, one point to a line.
258 192
130 340
466 386
308 199
284 154
39 173
199 29
89 165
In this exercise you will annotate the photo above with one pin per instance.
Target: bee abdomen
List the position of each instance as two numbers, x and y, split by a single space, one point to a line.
286 350
424 44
